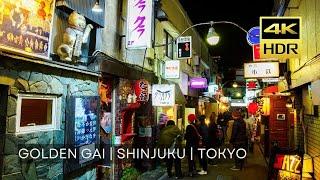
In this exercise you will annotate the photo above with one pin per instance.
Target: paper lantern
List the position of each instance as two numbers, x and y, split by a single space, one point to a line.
141 90
253 108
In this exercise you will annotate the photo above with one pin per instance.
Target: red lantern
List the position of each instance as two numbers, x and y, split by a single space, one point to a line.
141 90
253 108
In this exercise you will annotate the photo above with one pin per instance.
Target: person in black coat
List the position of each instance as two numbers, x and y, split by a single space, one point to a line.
238 138
192 141
212 136
204 133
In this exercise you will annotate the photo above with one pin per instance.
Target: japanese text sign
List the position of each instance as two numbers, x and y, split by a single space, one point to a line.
261 69
141 90
139 20
172 70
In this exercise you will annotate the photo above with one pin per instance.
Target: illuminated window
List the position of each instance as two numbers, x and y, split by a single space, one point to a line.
36 113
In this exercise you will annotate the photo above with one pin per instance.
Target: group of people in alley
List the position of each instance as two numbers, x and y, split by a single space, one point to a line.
200 135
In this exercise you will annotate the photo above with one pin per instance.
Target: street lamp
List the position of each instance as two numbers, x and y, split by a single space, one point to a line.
212 37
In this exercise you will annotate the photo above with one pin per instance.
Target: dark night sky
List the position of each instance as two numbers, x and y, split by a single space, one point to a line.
233 46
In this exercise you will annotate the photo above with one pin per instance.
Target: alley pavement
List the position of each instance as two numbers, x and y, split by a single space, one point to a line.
255 169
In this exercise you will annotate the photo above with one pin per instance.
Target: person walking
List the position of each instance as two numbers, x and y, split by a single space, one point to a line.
223 123
192 142
170 137
203 131
238 138
212 136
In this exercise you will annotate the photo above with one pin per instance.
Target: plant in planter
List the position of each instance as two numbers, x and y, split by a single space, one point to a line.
130 173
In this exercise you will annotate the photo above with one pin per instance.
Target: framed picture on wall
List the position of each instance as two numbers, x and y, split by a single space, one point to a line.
26 27
281 117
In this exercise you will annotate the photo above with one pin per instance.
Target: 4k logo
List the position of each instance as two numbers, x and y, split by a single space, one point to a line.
280 37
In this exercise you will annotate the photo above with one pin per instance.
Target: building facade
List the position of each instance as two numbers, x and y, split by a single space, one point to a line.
302 75
90 87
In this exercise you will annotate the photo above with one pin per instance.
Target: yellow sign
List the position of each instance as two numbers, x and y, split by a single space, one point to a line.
280 37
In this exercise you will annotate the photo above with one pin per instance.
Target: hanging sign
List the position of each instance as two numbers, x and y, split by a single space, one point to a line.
139 24
172 69
141 90
184 45
198 83
163 95
261 70
253 36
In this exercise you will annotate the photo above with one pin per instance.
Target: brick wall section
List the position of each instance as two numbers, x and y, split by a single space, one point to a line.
313 141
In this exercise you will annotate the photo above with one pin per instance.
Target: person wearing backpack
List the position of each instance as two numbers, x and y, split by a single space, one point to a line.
170 138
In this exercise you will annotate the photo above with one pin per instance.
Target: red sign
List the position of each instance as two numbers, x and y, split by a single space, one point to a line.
252 85
141 90
256 52
253 108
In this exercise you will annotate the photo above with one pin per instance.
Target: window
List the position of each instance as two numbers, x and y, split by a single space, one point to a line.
36 113
169 45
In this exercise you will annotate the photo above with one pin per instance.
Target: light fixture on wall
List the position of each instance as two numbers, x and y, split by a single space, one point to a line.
97 8
289 103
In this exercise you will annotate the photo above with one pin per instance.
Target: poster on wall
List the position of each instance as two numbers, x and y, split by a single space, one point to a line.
25 27
106 122
139 24
85 120
163 95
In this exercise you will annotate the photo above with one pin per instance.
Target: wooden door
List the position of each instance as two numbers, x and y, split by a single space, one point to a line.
279 121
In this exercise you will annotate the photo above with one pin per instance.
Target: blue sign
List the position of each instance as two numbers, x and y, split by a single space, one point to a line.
253 36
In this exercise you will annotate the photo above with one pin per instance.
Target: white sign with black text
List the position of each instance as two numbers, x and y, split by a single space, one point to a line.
172 69
261 70
163 95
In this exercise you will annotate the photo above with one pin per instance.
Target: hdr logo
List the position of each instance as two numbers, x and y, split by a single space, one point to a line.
280 37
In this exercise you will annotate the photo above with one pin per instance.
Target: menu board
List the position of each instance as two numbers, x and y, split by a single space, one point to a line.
85 121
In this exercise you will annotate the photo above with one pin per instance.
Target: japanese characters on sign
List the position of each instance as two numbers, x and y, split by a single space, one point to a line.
141 90
139 18
172 69
163 95
261 70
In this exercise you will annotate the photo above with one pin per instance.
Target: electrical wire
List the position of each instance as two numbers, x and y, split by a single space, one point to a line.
205 23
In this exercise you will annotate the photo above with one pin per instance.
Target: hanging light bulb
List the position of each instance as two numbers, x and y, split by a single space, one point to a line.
212 37
97 8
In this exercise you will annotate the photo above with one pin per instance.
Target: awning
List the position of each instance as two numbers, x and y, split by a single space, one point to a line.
111 66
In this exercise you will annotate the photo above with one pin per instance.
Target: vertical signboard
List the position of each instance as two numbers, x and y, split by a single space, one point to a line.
139 24
184 45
